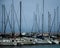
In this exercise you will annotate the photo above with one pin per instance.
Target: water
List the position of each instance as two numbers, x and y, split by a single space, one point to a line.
32 46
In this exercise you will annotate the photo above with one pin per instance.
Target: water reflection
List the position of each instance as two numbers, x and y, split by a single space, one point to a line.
32 46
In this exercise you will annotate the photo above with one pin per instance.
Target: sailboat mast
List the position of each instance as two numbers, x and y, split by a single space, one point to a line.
12 19
3 19
54 19
20 18
43 18
43 7
57 19
49 23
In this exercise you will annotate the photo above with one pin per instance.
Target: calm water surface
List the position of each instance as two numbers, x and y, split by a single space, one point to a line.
32 46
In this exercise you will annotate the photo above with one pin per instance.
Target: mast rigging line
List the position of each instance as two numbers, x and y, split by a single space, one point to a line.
52 23
35 23
8 20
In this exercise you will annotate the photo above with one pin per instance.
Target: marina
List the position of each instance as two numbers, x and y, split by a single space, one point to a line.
29 40
35 37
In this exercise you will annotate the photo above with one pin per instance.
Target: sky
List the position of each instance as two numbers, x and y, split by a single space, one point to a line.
29 8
